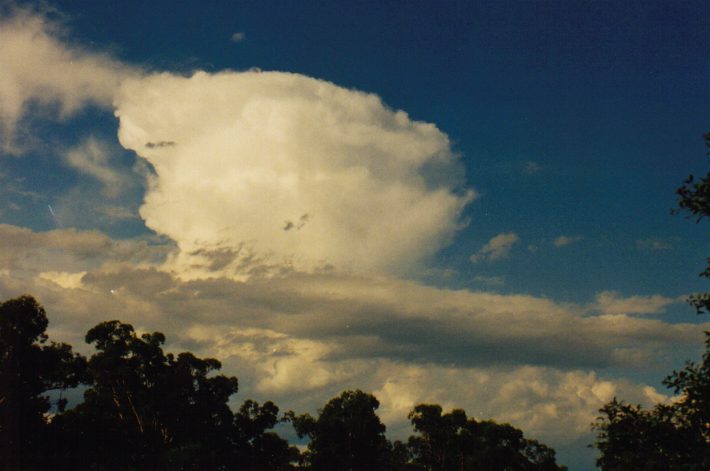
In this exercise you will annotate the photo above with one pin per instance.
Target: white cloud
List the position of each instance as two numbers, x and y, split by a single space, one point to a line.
563 241
241 157
238 37
39 69
496 248
610 302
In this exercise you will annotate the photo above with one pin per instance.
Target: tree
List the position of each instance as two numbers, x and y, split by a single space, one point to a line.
147 410
669 436
694 198
453 442
347 435
256 447
30 367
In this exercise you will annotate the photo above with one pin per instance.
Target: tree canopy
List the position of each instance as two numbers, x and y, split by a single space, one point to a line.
674 435
145 409
694 198
669 436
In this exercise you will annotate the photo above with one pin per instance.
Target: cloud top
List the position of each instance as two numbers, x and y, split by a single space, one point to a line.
290 169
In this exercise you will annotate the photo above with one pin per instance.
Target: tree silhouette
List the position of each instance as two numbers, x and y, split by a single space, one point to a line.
148 410
453 442
347 435
144 409
257 448
694 198
669 436
30 367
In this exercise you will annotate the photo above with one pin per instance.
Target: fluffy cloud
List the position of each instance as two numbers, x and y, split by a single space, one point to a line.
496 248
288 169
40 70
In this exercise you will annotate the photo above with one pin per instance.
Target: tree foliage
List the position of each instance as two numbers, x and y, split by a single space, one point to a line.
30 367
347 434
453 442
669 436
694 198
145 409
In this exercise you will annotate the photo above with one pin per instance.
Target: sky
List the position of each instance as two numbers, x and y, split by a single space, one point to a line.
466 203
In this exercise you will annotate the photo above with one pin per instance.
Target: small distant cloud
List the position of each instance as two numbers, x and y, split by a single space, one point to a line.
532 248
496 248
654 243
489 280
238 37
531 168
563 241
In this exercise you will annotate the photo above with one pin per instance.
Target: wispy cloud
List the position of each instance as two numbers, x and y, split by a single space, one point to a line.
93 157
563 240
654 243
496 248
489 280
531 168
39 67
238 37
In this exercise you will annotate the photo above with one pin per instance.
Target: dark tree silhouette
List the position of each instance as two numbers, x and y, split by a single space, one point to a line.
148 410
144 409
694 198
256 447
669 436
30 367
453 442
347 435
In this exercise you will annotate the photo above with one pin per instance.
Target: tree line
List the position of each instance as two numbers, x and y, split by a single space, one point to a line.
145 409
674 436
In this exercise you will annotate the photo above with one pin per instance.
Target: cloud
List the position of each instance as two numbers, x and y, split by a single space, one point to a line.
654 243
93 157
489 280
496 248
531 168
43 73
238 37
257 153
24 251
563 241
610 302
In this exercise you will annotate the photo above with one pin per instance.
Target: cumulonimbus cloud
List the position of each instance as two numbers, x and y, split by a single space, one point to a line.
290 169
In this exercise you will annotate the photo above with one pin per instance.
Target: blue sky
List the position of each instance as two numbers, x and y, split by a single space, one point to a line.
572 123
